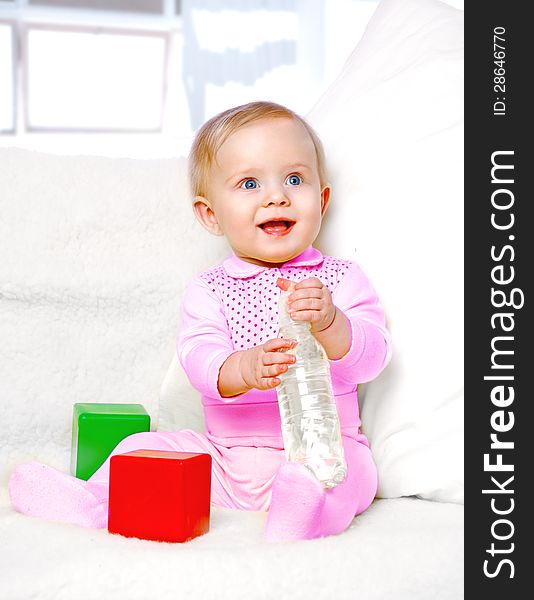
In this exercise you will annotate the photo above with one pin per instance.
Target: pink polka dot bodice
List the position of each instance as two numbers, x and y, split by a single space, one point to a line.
250 304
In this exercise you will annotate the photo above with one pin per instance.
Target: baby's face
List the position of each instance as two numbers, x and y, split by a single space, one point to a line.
264 192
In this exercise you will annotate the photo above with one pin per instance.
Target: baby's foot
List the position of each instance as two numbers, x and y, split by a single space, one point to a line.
297 502
41 491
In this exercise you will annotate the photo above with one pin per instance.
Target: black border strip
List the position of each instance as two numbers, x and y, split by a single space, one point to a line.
495 130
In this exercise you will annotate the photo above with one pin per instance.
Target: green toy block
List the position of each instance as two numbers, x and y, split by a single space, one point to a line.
97 428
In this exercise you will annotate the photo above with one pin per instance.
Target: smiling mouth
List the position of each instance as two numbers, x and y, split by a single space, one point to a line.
277 227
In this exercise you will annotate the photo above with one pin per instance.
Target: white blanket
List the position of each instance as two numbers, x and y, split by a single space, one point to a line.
404 549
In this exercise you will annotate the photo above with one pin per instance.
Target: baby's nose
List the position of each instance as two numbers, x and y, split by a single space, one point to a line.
276 198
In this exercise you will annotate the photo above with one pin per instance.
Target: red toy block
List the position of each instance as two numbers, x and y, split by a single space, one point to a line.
162 496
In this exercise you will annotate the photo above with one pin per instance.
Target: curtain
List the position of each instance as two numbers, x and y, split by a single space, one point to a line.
236 51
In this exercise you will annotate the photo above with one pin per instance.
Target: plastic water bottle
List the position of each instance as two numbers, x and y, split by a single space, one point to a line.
310 424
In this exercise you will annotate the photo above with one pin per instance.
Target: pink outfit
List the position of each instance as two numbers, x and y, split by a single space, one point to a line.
232 307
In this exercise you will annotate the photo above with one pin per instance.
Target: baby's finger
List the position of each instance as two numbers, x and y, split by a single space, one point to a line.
273 370
285 284
307 315
305 304
309 282
277 358
277 344
268 383
305 293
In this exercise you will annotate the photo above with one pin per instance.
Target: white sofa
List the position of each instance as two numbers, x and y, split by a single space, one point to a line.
95 254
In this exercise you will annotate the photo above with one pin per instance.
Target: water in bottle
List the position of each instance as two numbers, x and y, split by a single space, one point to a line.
310 423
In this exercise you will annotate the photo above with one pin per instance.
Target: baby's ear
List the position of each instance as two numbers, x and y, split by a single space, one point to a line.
325 199
205 215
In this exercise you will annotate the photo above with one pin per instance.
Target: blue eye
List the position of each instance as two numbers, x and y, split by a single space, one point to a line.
249 184
294 180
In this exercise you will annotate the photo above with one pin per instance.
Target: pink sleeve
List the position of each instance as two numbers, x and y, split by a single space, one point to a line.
204 341
370 348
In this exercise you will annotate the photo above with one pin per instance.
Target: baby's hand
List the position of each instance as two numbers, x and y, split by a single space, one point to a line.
260 365
310 301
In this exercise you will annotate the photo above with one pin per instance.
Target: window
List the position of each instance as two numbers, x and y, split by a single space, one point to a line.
87 66
138 77
94 80
7 78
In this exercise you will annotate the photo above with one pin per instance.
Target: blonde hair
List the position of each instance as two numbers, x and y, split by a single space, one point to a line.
212 135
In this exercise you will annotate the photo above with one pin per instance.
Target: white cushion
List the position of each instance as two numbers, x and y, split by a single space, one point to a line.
96 253
392 126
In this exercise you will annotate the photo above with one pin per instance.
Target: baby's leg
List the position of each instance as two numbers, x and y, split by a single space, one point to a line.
302 509
41 491
186 440
354 495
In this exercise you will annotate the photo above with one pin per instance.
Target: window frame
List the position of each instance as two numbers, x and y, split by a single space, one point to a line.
26 29
15 74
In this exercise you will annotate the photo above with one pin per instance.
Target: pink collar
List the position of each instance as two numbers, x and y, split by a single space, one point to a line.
240 269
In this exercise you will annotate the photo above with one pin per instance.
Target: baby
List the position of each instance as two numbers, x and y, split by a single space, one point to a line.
258 178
